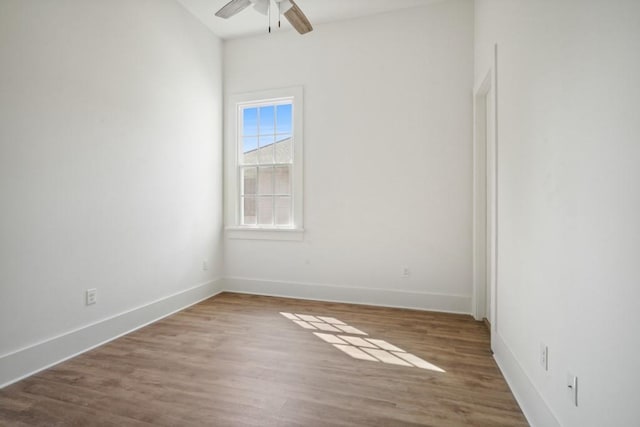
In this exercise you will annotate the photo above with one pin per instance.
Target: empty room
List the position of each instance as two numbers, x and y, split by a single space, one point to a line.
319 213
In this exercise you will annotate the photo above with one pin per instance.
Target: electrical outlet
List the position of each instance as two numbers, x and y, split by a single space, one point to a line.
572 387
544 356
404 271
205 265
91 296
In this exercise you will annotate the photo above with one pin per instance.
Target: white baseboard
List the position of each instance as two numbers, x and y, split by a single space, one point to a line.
27 361
383 297
533 406
30 360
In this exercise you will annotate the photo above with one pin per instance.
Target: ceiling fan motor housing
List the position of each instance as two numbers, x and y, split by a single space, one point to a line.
262 6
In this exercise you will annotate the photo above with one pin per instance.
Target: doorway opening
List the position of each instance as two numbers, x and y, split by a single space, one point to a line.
484 203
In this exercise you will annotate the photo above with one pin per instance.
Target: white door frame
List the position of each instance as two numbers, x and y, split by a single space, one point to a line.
485 190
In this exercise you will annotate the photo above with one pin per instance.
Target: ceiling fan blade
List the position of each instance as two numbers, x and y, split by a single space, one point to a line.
232 8
295 16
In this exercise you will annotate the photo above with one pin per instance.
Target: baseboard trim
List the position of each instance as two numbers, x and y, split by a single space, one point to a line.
533 406
27 361
459 304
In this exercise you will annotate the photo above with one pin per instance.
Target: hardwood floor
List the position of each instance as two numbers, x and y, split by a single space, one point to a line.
234 360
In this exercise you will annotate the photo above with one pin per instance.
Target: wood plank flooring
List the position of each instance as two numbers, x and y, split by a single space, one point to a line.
234 360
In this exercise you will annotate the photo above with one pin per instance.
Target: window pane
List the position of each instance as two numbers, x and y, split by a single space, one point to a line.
265 169
267 120
267 140
283 180
284 150
249 180
265 153
265 211
265 181
249 216
250 121
283 211
249 150
285 123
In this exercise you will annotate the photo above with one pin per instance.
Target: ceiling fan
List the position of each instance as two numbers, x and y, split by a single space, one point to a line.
288 8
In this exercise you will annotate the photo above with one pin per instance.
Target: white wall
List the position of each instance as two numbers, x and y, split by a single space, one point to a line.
110 161
569 203
387 158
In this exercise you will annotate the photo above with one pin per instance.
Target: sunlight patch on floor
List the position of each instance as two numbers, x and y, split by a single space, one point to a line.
374 350
324 327
304 324
386 357
355 352
331 320
384 345
308 318
351 330
331 339
357 341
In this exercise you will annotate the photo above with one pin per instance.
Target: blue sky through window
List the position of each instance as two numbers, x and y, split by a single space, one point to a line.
284 125
262 126
267 120
250 121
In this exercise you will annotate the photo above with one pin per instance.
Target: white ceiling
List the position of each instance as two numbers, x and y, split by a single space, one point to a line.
250 22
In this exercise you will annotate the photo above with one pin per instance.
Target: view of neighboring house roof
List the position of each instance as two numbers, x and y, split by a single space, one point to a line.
283 152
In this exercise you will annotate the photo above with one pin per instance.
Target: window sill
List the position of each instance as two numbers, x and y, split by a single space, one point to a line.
255 233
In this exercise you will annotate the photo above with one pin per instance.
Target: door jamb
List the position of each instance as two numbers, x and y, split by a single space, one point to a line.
480 280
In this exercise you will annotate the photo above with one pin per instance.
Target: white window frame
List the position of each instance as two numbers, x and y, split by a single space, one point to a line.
233 227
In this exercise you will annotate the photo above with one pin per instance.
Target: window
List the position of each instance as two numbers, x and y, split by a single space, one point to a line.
264 165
